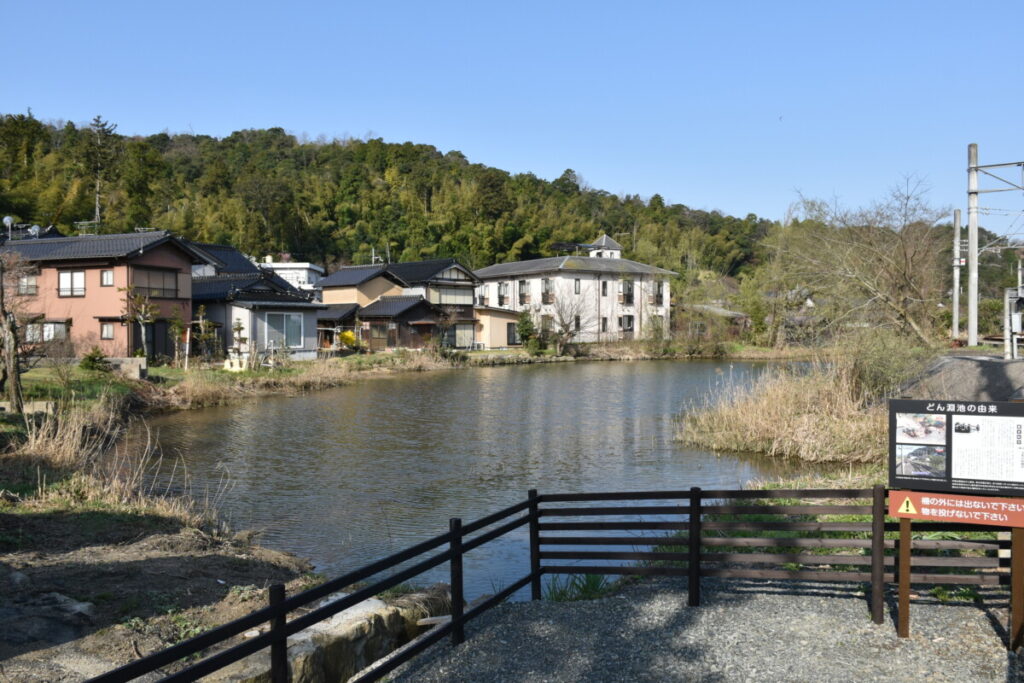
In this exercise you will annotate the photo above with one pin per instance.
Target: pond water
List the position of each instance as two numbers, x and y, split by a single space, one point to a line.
349 475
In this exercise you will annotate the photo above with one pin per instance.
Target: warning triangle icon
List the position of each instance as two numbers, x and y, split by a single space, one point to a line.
907 508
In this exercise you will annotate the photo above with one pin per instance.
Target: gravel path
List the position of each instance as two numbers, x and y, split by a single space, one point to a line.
744 631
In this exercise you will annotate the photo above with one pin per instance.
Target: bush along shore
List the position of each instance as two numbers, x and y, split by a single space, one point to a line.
830 410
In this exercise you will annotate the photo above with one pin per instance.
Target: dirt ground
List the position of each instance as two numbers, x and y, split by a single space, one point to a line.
82 593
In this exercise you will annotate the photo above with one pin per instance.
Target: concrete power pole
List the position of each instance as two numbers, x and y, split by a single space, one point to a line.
956 274
972 244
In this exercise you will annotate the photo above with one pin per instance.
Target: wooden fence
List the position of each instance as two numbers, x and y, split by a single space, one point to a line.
802 535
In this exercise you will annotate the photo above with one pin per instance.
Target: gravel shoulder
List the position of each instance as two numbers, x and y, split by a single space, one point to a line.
743 631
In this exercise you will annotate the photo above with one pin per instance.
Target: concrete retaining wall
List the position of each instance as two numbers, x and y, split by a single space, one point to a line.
348 642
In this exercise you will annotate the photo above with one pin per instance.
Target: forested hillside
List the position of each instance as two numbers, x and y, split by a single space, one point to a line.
333 201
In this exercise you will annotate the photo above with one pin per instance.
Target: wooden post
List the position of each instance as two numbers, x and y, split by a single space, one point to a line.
534 544
693 549
878 554
1016 588
279 645
455 574
903 612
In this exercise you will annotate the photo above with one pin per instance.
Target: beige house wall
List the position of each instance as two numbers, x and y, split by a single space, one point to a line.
491 329
364 294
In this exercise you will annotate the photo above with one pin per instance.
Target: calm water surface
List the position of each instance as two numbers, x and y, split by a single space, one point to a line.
349 475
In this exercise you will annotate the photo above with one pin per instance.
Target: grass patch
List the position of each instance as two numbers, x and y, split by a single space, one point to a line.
577 587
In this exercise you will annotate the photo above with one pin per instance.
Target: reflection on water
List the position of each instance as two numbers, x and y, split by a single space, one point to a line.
346 476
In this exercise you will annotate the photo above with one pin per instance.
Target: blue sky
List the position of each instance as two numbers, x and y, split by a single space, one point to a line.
734 106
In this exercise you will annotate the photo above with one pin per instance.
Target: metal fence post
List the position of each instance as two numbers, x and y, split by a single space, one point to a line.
534 544
279 645
455 564
878 553
693 548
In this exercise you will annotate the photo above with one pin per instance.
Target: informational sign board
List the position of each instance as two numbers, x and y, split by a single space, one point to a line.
953 507
968 447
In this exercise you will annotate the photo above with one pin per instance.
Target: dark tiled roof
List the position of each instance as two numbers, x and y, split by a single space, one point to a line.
390 306
350 276
419 272
252 289
95 246
582 264
234 261
337 312
218 287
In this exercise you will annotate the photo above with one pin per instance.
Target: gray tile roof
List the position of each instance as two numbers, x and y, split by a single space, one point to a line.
419 272
252 290
234 261
390 306
96 246
337 311
606 242
350 276
580 264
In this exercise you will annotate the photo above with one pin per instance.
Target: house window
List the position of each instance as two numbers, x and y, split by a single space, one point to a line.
452 296
576 286
626 322
512 334
547 294
502 294
71 283
546 323
40 332
604 324
106 330
378 331
626 292
459 336
159 284
284 330
576 323
106 279
604 288
524 293
28 285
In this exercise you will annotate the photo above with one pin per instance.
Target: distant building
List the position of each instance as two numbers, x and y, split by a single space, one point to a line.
445 283
300 274
602 296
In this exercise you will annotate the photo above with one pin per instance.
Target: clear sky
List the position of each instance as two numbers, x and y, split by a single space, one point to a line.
734 106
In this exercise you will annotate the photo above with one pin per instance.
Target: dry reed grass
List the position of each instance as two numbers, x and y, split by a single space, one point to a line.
78 459
819 416
205 388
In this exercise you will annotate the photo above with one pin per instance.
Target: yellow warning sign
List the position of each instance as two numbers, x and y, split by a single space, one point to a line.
907 508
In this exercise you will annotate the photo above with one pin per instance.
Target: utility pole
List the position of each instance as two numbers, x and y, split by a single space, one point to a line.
956 274
972 244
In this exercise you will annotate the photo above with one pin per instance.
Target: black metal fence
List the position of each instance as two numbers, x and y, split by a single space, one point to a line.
839 536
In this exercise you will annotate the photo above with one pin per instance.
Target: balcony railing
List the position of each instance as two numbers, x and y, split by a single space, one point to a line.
626 299
524 299
29 290
547 298
71 291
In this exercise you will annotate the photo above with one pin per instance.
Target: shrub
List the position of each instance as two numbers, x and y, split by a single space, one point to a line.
95 361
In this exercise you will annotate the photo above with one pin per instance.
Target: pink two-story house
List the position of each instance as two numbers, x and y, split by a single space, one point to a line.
75 288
